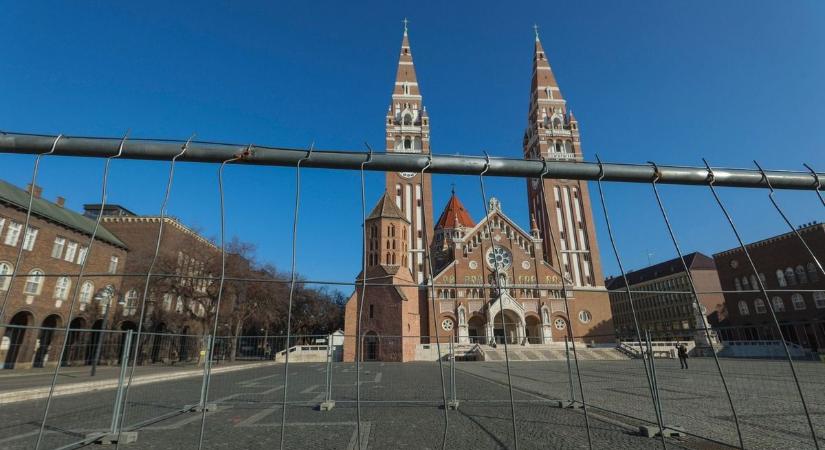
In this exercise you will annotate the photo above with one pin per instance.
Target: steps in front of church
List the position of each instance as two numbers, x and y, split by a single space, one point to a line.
520 353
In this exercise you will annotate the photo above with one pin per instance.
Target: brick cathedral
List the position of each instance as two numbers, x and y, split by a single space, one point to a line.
402 314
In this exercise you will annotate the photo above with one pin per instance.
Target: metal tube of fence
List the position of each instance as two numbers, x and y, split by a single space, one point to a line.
569 370
149 149
124 364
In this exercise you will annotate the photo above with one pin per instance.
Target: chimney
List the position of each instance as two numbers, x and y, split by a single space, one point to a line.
60 201
37 190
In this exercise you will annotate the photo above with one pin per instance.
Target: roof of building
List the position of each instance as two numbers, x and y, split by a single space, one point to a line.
694 261
455 215
386 208
806 228
47 210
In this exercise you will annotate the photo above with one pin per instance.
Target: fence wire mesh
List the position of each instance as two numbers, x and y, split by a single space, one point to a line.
107 367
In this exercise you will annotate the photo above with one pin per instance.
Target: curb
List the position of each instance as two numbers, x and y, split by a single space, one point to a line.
91 386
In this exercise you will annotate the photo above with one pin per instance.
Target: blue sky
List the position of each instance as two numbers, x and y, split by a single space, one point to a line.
666 81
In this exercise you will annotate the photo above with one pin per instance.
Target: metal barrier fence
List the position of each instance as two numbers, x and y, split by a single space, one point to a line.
161 381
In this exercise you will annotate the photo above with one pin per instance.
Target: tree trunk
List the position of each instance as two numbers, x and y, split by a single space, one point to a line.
234 343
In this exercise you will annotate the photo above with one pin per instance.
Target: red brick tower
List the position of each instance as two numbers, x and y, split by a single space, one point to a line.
408 131
553 133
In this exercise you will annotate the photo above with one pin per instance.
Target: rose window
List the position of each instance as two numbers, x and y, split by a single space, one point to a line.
499 258
447 324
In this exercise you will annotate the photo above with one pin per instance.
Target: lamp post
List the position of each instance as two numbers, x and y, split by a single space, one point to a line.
105 296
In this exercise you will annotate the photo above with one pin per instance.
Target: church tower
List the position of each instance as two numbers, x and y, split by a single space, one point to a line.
553 133
408 131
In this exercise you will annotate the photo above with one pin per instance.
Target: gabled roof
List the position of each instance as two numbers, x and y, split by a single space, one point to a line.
19 198
694 261
455 215
386 208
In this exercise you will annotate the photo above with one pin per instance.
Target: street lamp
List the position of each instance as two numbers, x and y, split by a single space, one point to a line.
103 296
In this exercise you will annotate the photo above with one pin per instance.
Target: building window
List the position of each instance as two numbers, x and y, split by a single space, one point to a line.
167 302
34 282
778 304
13 233
5 275
71 252
113 264
813 272
790 276
759 306
746 284
61 288
81 255
738 284
798 302
131 301
372 311
819 299
585 316
87 289
780 278
28 240
743 308
801 275
560 324
57 248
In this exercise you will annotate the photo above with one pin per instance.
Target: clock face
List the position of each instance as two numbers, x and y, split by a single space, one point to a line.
407 174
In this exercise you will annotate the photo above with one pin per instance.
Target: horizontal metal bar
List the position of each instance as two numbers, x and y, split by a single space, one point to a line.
164 150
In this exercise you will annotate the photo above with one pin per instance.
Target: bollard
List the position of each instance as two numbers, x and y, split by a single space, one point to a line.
116 435
453 403
328 402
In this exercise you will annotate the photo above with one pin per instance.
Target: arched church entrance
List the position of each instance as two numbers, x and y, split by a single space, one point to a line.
507 325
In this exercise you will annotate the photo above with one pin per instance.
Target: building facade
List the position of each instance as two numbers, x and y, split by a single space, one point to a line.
794 282
55 245
664 302
491 281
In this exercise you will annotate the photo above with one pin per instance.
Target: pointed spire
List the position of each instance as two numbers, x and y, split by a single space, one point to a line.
542 73
454 215
533 224
386 208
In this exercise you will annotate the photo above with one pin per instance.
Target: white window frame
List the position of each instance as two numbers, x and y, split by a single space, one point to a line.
81 254
61 288
30 238
759 306
744 309
71 251
58 246
5 275
35 278
87 291
778 304
819 299
13 233
113 262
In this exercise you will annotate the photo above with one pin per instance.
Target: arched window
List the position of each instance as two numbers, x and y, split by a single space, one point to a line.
407 143
34 282
778 304
798 302
743 308
801 275
87 289
388 259
738 284
131 301
61 288
393 259
568 146
813 272
790 276
556 123
819 299
746 284
754 283
5 275
780 278
759 306
407 120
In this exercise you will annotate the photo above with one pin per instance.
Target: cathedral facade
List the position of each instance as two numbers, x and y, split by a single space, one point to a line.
491 282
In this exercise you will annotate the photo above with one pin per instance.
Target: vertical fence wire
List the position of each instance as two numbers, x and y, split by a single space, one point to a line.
358 349
76 292
696 303
293 277
566 297
19 258
142 317
630 301
499 293
711 180
431 280
209 350
817 185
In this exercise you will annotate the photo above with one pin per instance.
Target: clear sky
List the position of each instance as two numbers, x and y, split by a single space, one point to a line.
672 82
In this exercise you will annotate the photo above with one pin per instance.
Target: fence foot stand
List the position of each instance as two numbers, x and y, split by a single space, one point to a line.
453 404
124 437
326 405
207 407
655 431
570 405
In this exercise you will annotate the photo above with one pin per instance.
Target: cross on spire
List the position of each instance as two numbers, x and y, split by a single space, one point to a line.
535 29
405 24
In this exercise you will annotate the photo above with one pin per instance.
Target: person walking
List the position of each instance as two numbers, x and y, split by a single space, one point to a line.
683 356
